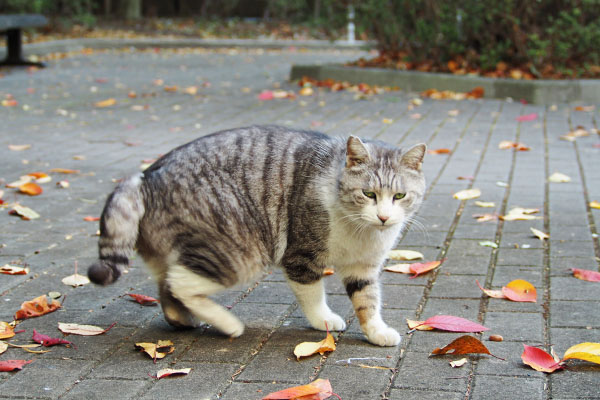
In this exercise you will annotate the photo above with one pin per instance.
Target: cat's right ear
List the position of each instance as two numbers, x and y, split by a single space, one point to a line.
356 152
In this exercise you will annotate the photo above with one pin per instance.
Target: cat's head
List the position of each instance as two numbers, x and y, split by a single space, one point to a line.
381 186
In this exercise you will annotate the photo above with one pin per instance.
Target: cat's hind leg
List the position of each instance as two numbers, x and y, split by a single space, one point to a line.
192 291
175 312
311 297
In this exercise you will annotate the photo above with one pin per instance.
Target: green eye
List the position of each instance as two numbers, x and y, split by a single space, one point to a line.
370 195
399 196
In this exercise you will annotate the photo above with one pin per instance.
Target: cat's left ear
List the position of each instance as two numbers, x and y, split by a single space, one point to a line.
356 152
413 157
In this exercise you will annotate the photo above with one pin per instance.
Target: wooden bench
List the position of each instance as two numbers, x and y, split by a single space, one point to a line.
11 25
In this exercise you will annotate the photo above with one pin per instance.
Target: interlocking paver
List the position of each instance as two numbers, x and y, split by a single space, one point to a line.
56 115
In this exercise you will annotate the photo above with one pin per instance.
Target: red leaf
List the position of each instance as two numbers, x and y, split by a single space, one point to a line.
454 324
266 95
539 360
586 275
47 341
143 299
438 151
527 117
12 365
421 268
316 390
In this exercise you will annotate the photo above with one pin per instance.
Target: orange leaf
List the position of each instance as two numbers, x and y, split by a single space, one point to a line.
13 270
586 275
464 345
539 360
40 177
328 271
32 189
6 330
36 307
320 387
106 103
520 290
91 219
143 299
64 171
421 268
12 365
306 349
438 151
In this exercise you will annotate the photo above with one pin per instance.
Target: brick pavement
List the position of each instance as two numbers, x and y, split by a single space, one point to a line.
56 115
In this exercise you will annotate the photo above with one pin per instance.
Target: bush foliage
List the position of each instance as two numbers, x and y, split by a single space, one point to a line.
541 34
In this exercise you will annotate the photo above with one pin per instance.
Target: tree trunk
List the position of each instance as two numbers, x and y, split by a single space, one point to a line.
131 9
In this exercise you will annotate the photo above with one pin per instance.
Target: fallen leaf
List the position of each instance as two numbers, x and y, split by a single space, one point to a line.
25 213
63 184
519 213
453 113
557 177
585 108
400 268
89 218
539 360
64 171
584 351
25 346
465 178
520 290
540 235
266 95
320 387
418 325
31 189
47 341
507 144
595 204
19 147
3 346
485 217
170 88
306 91
464 345
106 103
387 120
82 330
497 294
454 324
13 365
458 363
586 275
306 349
76 280
580 131
22 181
157 350
488 243
467 194
36 307
485 204
6 330
143 299
40 177
527 117
169 372
421 268
328 271
191 90
401 255
13 270
438 151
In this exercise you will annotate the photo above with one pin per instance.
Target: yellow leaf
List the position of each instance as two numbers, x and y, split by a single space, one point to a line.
595 204
306 349
3 347
540 235
467 194
6 330
157 350
106 103
418 325
557 177
407 255
485 204
584 351
400 268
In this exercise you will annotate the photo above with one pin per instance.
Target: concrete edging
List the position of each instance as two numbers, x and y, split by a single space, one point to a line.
535 92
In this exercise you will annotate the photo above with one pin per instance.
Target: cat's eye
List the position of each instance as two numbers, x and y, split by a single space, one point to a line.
399 196
370 195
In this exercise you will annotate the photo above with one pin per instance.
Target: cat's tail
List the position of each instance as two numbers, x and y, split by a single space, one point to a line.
119 226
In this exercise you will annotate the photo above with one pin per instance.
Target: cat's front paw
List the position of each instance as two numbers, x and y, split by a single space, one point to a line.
234 329
383 336
331 321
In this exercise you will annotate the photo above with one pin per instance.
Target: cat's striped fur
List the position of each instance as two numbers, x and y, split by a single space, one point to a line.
215 212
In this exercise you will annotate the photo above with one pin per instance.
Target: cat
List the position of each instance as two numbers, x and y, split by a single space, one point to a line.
213 213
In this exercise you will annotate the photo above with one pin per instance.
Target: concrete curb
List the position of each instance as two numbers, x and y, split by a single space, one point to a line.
67 45
535 92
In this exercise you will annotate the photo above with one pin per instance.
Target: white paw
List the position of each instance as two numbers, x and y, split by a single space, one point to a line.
383 336
234 329
331 321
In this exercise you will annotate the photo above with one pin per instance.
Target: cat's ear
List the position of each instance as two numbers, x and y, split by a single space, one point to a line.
356 152
413 157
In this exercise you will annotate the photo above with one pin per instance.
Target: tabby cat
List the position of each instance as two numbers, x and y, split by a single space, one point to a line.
213 213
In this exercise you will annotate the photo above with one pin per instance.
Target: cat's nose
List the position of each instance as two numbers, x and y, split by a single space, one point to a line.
383 218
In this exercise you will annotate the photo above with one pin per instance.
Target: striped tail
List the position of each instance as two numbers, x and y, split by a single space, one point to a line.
119 226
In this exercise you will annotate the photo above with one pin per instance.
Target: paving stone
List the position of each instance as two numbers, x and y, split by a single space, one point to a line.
507 387
97 389
401 394
419 371
575 313
526 327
